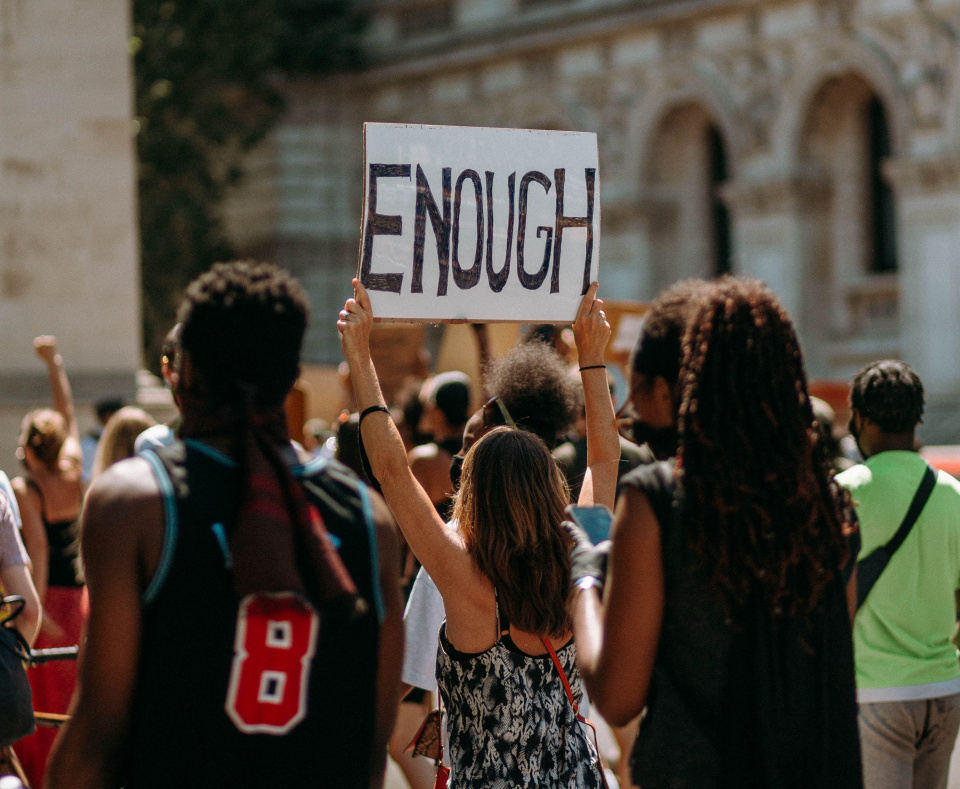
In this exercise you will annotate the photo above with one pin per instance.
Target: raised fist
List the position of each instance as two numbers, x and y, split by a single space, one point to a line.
46 347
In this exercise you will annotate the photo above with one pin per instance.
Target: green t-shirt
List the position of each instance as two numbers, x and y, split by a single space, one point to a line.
901 635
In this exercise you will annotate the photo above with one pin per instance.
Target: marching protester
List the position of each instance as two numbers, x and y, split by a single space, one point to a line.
50 496
723 608
529 388
245 609
908 679
504 576
20 616
446 407
15 578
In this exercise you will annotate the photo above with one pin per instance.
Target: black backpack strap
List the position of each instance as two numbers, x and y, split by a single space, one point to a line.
870 569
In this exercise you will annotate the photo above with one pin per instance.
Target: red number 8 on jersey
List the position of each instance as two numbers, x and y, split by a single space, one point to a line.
274 646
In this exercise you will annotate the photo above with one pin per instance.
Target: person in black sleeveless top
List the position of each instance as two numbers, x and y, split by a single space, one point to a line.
724 610
245 622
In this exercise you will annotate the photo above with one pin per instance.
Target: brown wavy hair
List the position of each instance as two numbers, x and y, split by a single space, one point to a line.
760 506
510 506
44 431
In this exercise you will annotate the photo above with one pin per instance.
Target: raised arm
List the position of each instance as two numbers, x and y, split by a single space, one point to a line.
591 332
439 549
617 635
46 348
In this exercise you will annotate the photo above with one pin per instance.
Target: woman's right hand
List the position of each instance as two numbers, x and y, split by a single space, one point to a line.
355 323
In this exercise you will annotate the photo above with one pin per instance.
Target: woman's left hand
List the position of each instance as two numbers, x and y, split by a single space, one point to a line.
355 322
591 330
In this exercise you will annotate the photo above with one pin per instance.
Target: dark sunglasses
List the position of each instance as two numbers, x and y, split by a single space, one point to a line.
495 413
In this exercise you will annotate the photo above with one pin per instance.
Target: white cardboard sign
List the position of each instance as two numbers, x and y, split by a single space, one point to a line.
478 224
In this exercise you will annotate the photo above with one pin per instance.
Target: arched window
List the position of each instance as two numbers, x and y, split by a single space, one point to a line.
688 223
850 311
719 173
883 218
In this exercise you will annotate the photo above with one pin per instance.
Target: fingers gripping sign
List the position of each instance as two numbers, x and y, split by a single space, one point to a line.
276 639
355 320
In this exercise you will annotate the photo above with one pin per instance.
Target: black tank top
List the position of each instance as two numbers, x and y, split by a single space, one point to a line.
757 703
199 668
63 544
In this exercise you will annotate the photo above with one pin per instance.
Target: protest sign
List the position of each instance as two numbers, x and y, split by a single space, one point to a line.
478 224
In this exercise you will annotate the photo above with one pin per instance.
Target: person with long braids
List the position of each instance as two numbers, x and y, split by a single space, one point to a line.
725 609
504 576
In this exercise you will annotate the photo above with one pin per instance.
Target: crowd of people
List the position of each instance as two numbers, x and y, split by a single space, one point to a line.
768 609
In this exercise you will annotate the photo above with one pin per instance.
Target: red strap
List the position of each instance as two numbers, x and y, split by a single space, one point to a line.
576 707
563 677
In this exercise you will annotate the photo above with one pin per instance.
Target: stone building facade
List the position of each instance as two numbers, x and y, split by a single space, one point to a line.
812 143
68 238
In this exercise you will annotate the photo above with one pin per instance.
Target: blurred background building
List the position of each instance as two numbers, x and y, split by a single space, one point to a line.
813 144
69 264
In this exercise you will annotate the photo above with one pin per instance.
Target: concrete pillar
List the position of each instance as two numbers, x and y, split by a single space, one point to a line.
69 262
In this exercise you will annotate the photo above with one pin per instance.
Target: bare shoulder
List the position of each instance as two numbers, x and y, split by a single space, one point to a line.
125 497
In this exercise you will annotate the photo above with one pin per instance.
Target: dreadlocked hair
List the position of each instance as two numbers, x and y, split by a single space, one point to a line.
890 394
761 510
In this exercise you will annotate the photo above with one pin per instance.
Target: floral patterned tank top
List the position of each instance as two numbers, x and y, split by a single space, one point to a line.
509 719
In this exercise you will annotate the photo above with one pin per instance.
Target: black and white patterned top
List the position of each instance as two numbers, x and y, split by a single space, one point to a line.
509 719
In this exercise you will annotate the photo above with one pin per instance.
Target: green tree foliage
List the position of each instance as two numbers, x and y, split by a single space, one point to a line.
209 86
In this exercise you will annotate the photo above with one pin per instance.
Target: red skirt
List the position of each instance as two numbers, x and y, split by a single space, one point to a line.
53 683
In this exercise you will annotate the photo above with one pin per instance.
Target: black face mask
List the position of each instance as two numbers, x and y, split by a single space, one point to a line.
456 470
661 440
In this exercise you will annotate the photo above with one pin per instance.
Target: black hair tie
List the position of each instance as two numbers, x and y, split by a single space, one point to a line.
367 411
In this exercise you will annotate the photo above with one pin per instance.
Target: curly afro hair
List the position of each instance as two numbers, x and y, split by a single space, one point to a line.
243 325
533 383
890 394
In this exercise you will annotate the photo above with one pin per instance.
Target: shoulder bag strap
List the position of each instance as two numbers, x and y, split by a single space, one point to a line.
870 569
563 679
576 707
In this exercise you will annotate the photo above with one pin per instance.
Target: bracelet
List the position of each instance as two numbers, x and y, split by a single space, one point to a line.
589 582
594 367
367 411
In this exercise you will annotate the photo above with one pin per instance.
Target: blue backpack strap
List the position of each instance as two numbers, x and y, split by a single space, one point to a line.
168 495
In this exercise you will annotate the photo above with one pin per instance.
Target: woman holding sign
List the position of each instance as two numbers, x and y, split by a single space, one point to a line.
504 577
723 606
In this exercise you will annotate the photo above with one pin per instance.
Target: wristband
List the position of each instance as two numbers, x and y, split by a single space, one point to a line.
367 411
594 367
589 582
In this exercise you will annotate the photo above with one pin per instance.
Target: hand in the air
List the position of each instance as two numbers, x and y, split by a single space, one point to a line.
46 347
590 329
355 322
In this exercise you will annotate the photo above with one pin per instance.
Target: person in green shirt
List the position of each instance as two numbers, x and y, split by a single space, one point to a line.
908 677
